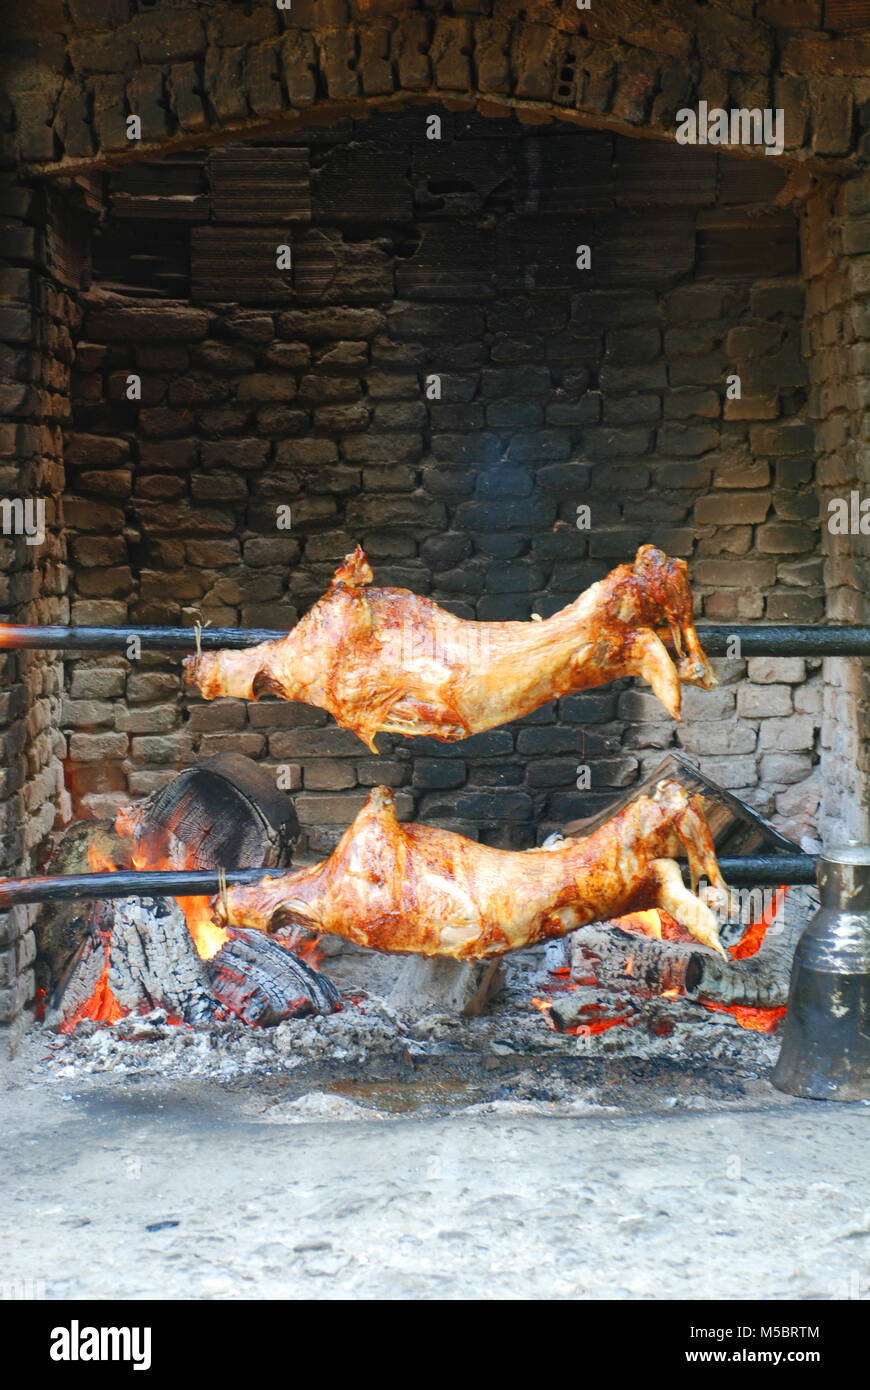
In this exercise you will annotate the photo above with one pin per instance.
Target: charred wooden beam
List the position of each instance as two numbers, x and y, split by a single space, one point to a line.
793 639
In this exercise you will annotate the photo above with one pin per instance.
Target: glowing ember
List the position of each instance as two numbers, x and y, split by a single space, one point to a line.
756 1020
597 1021
543 1004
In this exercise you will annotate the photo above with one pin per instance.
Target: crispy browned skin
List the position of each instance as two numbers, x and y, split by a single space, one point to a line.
412 888
389 660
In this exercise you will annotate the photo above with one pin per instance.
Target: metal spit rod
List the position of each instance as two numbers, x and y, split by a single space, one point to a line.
792 639
753 870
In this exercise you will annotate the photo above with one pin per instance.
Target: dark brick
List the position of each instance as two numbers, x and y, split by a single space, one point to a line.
551 772
535 741
144 323
532 446
563 807
726 508
785 538
507 578
495 743
513 414
616 443
495 805
781 439
433 774
687 440
495 516
234 453
787 606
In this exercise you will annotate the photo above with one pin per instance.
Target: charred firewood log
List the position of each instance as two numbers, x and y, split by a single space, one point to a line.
258 981
225 813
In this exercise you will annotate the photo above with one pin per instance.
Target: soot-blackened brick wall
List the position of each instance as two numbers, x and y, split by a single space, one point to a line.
558 387
39 318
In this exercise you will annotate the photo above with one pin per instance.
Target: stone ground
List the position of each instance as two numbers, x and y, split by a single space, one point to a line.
367 1155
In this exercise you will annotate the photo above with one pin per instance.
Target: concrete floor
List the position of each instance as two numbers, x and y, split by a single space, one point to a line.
138 1187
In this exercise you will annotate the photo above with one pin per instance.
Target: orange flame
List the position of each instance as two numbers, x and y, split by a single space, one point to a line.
102 1006
307 950
98 863
207 936
752 938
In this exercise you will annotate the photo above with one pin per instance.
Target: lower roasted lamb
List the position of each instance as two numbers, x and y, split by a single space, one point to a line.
414 888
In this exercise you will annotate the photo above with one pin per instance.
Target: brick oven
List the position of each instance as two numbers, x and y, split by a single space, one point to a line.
436 283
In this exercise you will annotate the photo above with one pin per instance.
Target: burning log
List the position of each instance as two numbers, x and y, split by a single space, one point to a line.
139 955
153 963
224 813
132 950
258 981
65 921
606 955
611 957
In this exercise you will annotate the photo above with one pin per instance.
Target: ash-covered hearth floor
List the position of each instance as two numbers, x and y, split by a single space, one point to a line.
559 1173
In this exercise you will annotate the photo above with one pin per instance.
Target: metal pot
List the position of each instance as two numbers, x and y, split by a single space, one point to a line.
825 1050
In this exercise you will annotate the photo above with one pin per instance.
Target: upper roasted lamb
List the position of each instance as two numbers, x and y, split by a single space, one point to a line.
387 659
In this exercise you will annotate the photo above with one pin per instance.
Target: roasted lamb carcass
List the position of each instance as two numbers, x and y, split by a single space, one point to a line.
413 888
389 660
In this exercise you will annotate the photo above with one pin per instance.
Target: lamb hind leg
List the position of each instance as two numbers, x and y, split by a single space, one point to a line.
694 835
648 657
672 895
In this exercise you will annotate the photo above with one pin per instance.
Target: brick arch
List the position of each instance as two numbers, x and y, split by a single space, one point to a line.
202 73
